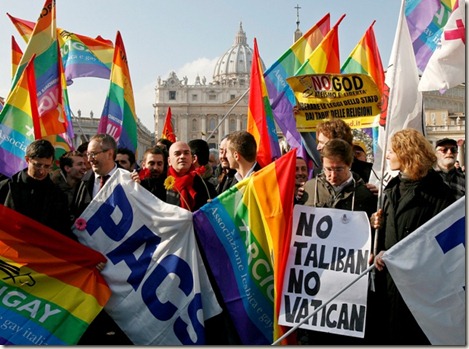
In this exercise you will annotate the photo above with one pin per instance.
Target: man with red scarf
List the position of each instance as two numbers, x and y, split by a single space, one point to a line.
184 184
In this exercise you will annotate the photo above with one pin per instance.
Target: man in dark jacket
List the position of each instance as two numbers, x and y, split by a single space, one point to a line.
32 193
339 187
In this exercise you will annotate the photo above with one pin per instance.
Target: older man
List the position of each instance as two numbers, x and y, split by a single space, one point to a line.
101 153
186 188
446 153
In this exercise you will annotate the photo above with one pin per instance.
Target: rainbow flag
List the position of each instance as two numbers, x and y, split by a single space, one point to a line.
326 57
118 118
43 44
260 117
16 122
82 56
426 20
281 95
16 54
50 289
245 233
366 59
168 131
24 27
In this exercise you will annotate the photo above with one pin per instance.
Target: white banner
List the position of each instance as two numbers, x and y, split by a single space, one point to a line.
161 294
429 270
329 249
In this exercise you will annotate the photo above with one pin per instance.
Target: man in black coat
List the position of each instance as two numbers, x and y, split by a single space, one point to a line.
32 193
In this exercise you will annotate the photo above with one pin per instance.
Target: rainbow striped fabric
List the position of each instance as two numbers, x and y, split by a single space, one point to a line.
44 46
118 118
260 121
82 56
426 20
365 59
50 289
326 57
16 122
16 54
245 236
280 94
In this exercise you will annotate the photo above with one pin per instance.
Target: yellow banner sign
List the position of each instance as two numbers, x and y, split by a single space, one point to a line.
352 97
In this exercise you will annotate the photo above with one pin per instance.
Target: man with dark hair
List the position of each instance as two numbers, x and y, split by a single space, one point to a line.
241 154
201 152
338 128
71 172
32 193
446 151
164 143
125 158
339 187
153 172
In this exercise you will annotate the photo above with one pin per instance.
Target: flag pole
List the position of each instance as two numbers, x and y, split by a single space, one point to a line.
227 113
371 267
386 133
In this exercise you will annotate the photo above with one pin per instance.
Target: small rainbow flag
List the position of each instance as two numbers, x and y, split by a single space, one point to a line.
281 95
84 56
17 122
43 45
50 289
260 117
118 118
245 235
16 54
326 57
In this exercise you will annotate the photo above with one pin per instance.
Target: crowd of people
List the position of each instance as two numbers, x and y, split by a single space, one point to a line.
189 174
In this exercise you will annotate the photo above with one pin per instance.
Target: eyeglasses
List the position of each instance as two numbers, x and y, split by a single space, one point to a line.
41 166
444 150
334 169
93 155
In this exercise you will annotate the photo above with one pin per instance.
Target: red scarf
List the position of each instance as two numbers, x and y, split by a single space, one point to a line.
184 185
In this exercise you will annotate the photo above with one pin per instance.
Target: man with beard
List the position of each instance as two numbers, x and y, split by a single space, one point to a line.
301 176
446 153
153 172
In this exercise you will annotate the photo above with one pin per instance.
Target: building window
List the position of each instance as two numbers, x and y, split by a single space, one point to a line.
194 97
232 125
172 95
212 124
212 97
232 96
194 125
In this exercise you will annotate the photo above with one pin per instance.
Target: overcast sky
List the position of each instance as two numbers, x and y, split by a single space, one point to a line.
188 36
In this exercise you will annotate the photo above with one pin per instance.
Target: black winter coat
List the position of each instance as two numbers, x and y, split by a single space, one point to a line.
407 205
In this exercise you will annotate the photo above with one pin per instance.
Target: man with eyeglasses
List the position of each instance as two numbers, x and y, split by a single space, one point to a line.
337 187
101 153
446 151
32 193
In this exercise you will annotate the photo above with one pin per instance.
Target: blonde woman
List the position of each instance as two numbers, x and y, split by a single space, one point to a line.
410 199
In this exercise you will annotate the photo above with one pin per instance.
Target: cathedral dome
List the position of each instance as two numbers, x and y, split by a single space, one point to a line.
234 67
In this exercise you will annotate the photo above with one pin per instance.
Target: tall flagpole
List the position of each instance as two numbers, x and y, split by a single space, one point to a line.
386 132
228 113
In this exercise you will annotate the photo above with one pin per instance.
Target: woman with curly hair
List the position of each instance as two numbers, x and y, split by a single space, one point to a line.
410 199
